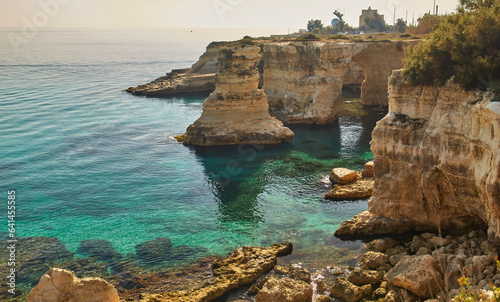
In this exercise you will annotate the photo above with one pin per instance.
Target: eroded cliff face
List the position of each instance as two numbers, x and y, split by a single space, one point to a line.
304 80
437 162
237 111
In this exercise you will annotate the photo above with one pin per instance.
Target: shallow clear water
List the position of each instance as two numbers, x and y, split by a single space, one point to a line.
89 161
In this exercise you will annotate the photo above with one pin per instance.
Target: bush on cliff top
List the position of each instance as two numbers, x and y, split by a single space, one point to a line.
464 45
308 37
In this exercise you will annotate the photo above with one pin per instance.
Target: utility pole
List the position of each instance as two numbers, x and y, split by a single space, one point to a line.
406 17
413 19
434 8
437 9
394 21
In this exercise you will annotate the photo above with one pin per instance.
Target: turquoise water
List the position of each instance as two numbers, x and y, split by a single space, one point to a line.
89 161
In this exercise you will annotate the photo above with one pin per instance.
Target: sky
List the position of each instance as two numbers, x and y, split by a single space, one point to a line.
140 14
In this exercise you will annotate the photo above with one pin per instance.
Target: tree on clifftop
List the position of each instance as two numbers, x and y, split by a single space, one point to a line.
464 45
313 24
401 26
374 23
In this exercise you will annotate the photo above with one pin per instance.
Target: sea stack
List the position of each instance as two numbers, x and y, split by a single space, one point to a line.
237 111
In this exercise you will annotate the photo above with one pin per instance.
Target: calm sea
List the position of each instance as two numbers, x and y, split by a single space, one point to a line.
89 161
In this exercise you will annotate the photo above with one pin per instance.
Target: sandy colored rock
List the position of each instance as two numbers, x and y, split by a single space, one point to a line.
449 139
343 176
366 223
373 260
200 78
285 290
241 267
419 274
63 286
361 189
237 111
345 290
362 277
381 244
369 169
304 80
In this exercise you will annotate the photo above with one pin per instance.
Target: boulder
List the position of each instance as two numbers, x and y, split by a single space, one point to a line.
154 251
345 290
420 275
285 290
381 245
373 260
343 176
62 285
362 277
438 241
369 170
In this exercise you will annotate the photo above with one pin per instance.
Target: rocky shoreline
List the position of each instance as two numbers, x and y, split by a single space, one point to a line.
427 266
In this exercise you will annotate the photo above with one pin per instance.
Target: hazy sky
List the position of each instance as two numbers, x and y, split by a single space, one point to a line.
272 14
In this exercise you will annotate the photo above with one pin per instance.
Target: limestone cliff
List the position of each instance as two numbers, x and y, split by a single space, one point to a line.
237 111
304 80
437 162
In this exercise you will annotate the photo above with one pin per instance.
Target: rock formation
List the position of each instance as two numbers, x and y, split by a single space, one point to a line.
378 60
351 185
437 162
200 78
63 286
237 111
303 80
241 267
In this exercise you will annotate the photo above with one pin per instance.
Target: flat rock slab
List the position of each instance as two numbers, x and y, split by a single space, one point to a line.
360 189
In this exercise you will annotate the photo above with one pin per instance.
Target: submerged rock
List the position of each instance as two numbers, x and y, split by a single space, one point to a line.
62 285
154 251
100 248
35 257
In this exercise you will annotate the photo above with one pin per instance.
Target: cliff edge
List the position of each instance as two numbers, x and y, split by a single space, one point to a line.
437 162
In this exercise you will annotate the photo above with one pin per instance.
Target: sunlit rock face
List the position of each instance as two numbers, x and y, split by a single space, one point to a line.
437 162
237 111
304 80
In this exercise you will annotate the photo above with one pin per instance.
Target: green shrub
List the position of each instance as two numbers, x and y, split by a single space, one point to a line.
243 42
464 45
342 37
308 37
